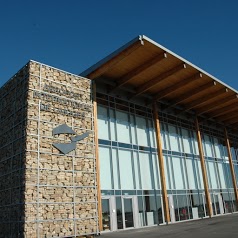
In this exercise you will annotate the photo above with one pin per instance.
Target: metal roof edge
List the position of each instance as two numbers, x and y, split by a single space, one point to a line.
188 62
110 56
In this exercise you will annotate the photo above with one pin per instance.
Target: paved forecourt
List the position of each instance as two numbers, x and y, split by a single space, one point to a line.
217 227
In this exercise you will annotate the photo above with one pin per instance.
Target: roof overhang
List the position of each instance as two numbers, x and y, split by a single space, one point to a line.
147 68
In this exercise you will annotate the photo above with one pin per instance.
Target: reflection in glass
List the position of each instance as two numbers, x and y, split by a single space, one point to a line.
182 207
106 215
213 205
176 212
126 169
178 172
105 168
173 138
122 123
103 131
228 205
159 209
141 211
145 170
217 204
119 213
151 210
197 205
233 199
128 210
142 134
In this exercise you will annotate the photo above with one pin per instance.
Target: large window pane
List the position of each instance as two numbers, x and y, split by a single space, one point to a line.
159 209
145 170
150 210
186 141
236 172
112 125
173 138
164 136
106 221
141 209
142 135
168 172
221 175
226 167
199 172
208 146
156 171
195 144
191 174
233 153
225 153
152 134
123 131
103 125
198 205
128 212
182 207
105 168
218 148
115 169
133 130
228 204
119 213
178 172
137 170
212 173
126 170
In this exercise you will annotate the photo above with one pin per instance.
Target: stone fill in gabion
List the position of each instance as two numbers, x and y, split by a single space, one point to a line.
44 192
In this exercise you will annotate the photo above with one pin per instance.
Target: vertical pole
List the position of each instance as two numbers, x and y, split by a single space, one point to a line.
231 166
203 166
161 163
97 158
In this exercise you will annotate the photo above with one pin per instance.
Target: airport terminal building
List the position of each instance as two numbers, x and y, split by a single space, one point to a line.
141 138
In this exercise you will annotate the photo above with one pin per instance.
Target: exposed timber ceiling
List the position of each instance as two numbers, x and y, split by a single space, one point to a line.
150 69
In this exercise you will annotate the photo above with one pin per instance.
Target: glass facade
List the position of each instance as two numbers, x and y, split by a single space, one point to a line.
129 169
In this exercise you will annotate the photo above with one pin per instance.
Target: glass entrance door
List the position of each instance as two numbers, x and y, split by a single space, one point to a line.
106 214
128 218
119 212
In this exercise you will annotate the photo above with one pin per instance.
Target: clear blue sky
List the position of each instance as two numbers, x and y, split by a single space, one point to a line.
74 34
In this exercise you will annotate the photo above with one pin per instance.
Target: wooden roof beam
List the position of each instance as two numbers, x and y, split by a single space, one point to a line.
155 81
187 95
167 91
232 123
234 126
222 111
113 61
230 119
135 72
204 99
214 105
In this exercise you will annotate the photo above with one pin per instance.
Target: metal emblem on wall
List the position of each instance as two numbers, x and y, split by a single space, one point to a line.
65 148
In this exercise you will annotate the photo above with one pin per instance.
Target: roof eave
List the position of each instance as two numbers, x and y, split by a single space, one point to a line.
110 56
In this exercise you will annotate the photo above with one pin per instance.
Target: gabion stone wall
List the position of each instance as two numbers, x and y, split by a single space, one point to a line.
59 178
13 109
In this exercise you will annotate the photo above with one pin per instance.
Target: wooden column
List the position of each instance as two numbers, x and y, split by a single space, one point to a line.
231 166
97 159
161 163
203 166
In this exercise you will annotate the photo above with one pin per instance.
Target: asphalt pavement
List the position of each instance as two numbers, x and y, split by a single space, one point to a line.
225 226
